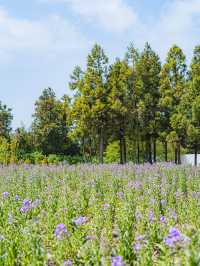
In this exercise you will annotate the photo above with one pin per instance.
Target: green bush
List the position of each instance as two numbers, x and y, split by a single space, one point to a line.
112 152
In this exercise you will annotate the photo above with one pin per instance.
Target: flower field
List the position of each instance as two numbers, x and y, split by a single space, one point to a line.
100 215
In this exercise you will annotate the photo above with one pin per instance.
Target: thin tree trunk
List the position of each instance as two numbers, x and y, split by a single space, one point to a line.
122 147
101 146
154 150
149 151
166 151
175 155
195 155
138 152
179 153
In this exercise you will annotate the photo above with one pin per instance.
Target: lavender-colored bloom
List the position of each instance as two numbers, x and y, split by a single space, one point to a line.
168 241
67 262
17 197
36 203
151 216
140 238
120 194
80 220
174 233
26 203
26 206
173 214
163 219
117 261
137 246
24 209
5 194
163 202
61 231
106 206
175 237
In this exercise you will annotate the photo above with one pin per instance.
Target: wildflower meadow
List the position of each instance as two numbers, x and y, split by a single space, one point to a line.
100 215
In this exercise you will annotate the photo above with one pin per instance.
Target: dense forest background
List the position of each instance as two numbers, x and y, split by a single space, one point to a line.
135 109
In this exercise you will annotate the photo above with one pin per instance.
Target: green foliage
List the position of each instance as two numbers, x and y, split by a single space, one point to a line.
5 120
112 152
134 102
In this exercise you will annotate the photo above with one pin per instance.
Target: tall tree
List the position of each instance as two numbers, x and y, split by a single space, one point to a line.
148 71
5 120
172 86
190 104
119 102
132 58
50 123
90 106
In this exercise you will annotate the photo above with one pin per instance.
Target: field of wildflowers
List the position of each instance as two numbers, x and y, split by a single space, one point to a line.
100 215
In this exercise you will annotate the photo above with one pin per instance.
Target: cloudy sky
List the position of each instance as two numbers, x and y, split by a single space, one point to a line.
42 40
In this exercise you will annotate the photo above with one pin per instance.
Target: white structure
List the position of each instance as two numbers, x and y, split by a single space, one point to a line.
189 159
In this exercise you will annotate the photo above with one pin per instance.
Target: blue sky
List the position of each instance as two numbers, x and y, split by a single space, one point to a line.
42 40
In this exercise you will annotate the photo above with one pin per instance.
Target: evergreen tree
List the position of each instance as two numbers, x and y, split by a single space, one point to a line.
119 102
148 71
50 124
5 120
172 87
90 106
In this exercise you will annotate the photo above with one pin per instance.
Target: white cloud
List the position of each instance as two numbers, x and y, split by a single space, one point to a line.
112 15
52 34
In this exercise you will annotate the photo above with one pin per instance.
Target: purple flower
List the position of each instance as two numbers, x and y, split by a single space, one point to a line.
26 203
173 214
26 206
175 237
106 206
168 241
151 216
80 220
67 262
140 241
17 197
120 194
24 209
60 231
140 238
137 246
174 233
6 194
36 203
163 219
117 261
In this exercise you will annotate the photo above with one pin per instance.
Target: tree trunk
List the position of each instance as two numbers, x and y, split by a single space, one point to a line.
149 150
101 146
195 155
124 144
154 150
138 152
175 155
179 153
122 147
166 151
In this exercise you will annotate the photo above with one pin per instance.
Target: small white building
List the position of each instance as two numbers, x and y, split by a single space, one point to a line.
189 159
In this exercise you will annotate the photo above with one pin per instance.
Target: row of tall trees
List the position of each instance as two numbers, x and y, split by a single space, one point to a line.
136 101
